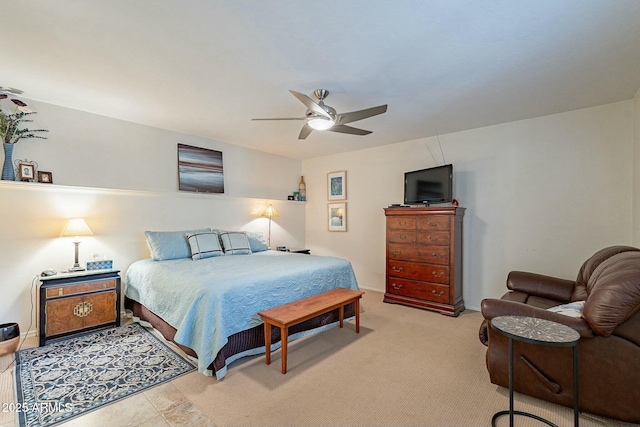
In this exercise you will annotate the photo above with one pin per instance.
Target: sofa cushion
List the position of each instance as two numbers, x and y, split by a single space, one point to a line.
614 292
540 285
580 291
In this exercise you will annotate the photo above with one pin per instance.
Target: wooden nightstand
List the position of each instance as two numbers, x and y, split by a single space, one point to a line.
74 303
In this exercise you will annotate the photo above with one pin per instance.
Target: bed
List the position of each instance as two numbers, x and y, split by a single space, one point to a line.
208 306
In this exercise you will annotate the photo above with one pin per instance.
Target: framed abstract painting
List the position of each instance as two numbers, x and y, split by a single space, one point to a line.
200 170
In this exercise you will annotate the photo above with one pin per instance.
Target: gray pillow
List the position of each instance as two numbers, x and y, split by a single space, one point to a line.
204 245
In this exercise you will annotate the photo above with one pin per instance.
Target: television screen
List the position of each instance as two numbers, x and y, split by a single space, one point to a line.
433 185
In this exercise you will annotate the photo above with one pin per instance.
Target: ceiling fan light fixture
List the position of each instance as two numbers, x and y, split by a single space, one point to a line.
321 123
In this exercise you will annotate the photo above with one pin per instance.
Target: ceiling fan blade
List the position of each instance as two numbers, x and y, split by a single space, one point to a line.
311 104
353 116
285 118
349 130
305 131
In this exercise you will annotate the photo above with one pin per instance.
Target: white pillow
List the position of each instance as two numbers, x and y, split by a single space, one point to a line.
572 309
204 245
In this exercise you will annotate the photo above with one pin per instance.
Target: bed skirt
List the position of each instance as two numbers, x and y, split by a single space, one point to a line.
241 342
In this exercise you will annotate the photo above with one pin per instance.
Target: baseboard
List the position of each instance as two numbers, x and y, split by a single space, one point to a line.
371 289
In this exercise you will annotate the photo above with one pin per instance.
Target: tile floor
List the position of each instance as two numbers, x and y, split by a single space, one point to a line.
161 406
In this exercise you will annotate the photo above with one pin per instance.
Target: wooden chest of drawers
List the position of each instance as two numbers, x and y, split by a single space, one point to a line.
424 258
70 304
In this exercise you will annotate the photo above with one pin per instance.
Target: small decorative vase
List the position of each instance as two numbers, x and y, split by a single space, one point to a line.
303 190
9 338
7 167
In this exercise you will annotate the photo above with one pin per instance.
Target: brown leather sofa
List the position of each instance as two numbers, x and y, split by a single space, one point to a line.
609 348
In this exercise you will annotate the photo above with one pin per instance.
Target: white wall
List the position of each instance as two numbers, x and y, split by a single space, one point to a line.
90 150
541 195
136 169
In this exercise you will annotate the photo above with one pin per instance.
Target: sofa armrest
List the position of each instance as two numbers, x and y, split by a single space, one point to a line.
540 285
497 307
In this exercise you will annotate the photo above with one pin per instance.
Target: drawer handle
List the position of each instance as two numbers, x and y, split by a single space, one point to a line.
435 255
433 239
438 294
403 236
397 252
60 292
83 309
440 276
397 269
396 287
403 223
432 224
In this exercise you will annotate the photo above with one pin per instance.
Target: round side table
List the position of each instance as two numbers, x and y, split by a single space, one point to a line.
538 332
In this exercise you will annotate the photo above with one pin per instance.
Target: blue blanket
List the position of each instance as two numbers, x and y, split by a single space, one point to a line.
211 299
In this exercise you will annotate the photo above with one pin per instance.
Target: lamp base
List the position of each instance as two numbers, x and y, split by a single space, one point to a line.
73 269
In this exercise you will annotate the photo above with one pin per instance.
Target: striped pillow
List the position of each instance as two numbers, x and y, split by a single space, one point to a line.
235 243
204 245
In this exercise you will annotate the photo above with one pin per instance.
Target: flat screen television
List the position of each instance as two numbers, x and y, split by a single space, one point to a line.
425 186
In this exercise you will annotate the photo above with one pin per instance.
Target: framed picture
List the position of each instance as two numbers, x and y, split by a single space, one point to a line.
337 185
26 171
200 170
337 216
45 177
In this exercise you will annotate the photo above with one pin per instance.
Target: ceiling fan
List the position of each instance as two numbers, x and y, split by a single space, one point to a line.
323 117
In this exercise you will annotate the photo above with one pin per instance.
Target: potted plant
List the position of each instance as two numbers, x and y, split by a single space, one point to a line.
11 131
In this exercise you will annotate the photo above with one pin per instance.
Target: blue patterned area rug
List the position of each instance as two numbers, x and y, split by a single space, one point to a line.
63 380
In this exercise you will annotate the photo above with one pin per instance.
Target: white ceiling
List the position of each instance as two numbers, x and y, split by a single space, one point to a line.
206 67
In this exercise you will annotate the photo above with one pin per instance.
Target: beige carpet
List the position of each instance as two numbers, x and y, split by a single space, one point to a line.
407 367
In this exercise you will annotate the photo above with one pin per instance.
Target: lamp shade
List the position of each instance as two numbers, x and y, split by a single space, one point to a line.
270 212
76 227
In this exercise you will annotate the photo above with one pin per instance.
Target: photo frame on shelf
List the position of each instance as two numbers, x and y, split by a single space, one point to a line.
337 213
337 185
26 172
45 177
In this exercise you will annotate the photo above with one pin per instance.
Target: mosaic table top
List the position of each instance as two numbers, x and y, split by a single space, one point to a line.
535 331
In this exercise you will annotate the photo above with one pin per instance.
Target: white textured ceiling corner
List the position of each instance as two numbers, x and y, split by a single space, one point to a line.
208 67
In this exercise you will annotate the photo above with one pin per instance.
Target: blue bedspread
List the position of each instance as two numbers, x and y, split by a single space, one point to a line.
211 299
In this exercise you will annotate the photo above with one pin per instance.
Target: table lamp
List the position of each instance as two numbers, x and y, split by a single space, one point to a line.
270 212
76 227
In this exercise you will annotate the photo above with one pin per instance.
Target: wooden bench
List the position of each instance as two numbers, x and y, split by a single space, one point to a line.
295 312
